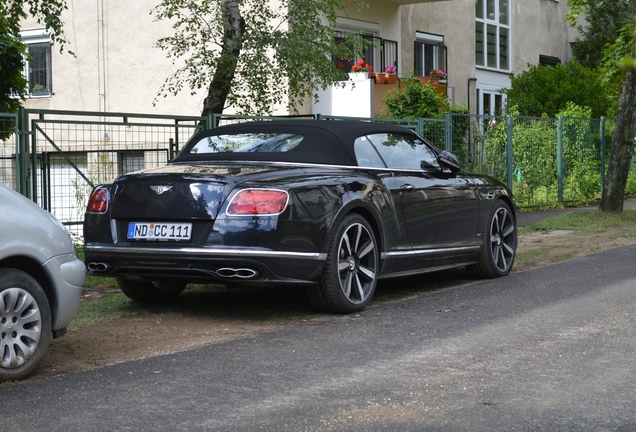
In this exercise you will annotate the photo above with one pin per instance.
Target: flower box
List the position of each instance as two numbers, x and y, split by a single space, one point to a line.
358 76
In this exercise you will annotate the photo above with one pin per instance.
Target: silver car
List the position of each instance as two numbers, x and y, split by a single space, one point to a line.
41 281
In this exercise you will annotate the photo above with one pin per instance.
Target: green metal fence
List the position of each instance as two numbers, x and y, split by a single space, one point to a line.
56 157
8 148
61 155
545 161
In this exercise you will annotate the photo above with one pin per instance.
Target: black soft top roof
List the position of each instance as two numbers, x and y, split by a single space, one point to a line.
325 141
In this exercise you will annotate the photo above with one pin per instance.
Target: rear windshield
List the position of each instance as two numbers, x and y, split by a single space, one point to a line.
247 143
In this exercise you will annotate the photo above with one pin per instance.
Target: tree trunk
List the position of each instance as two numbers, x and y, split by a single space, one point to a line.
621 157
233 31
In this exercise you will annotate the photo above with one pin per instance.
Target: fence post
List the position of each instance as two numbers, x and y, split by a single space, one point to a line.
602 170
22 153
448 138
34 160
509 149
560 158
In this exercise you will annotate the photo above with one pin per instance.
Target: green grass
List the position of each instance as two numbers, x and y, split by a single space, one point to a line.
585 221
269 306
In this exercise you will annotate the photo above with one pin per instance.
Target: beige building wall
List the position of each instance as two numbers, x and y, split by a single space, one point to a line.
117 68
537 28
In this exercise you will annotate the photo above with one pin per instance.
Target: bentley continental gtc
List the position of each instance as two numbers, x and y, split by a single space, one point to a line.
331 206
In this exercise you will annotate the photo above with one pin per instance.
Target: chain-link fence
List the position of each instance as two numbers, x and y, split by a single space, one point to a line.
55 158
546 161
63 155
8 149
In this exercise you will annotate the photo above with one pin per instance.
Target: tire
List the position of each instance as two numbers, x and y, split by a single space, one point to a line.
499 235
151 291
25 324
351 269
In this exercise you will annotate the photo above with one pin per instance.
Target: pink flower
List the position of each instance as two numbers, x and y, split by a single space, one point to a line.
438 73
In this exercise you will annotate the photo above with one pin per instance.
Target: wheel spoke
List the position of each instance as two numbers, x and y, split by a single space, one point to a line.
346 284
342 265
360 288
347 245
508 249
495 255
367 272
358 235
366 250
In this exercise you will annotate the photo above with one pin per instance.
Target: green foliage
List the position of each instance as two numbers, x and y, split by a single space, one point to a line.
12 81
416 100
616 57
253 55
581 155
546 90
535 156
419 100
13 85
47 13
603 21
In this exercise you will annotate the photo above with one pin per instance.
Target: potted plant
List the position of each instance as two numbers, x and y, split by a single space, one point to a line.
38 89
360 70
390 75
437 74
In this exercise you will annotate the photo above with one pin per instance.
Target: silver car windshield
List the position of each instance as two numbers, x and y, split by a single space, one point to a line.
247 143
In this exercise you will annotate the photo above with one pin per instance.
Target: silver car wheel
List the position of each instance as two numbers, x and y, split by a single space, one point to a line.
357 261
20 327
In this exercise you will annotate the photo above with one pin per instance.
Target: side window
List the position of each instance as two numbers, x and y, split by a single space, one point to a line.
404 152
366 154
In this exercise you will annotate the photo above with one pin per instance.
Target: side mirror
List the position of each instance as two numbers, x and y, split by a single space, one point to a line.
449 161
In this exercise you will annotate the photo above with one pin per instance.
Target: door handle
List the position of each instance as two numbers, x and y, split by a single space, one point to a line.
407 188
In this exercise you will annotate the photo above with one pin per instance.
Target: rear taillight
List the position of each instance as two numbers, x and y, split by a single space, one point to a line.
98 201
258 202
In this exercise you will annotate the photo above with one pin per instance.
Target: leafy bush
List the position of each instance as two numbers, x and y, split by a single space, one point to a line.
416 100
419 100
546 90
535 156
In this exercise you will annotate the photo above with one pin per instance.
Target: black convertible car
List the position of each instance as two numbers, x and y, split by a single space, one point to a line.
331 205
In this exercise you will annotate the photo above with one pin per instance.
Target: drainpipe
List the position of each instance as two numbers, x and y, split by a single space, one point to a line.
472 82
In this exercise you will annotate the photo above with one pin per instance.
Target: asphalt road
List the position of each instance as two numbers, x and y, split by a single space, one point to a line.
544 350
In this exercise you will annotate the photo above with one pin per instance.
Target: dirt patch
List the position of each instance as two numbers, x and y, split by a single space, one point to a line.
208 318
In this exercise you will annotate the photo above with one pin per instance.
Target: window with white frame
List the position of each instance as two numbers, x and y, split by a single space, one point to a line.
38 62
430 53
492 34
491 102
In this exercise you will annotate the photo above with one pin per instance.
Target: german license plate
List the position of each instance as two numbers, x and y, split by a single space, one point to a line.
159 231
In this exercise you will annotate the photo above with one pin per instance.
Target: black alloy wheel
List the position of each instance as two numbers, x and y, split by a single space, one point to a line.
351 269
499 243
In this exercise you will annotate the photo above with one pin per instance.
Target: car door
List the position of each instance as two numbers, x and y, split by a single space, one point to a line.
439 208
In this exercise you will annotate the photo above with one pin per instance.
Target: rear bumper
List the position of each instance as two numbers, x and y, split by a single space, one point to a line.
67 275
214 264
